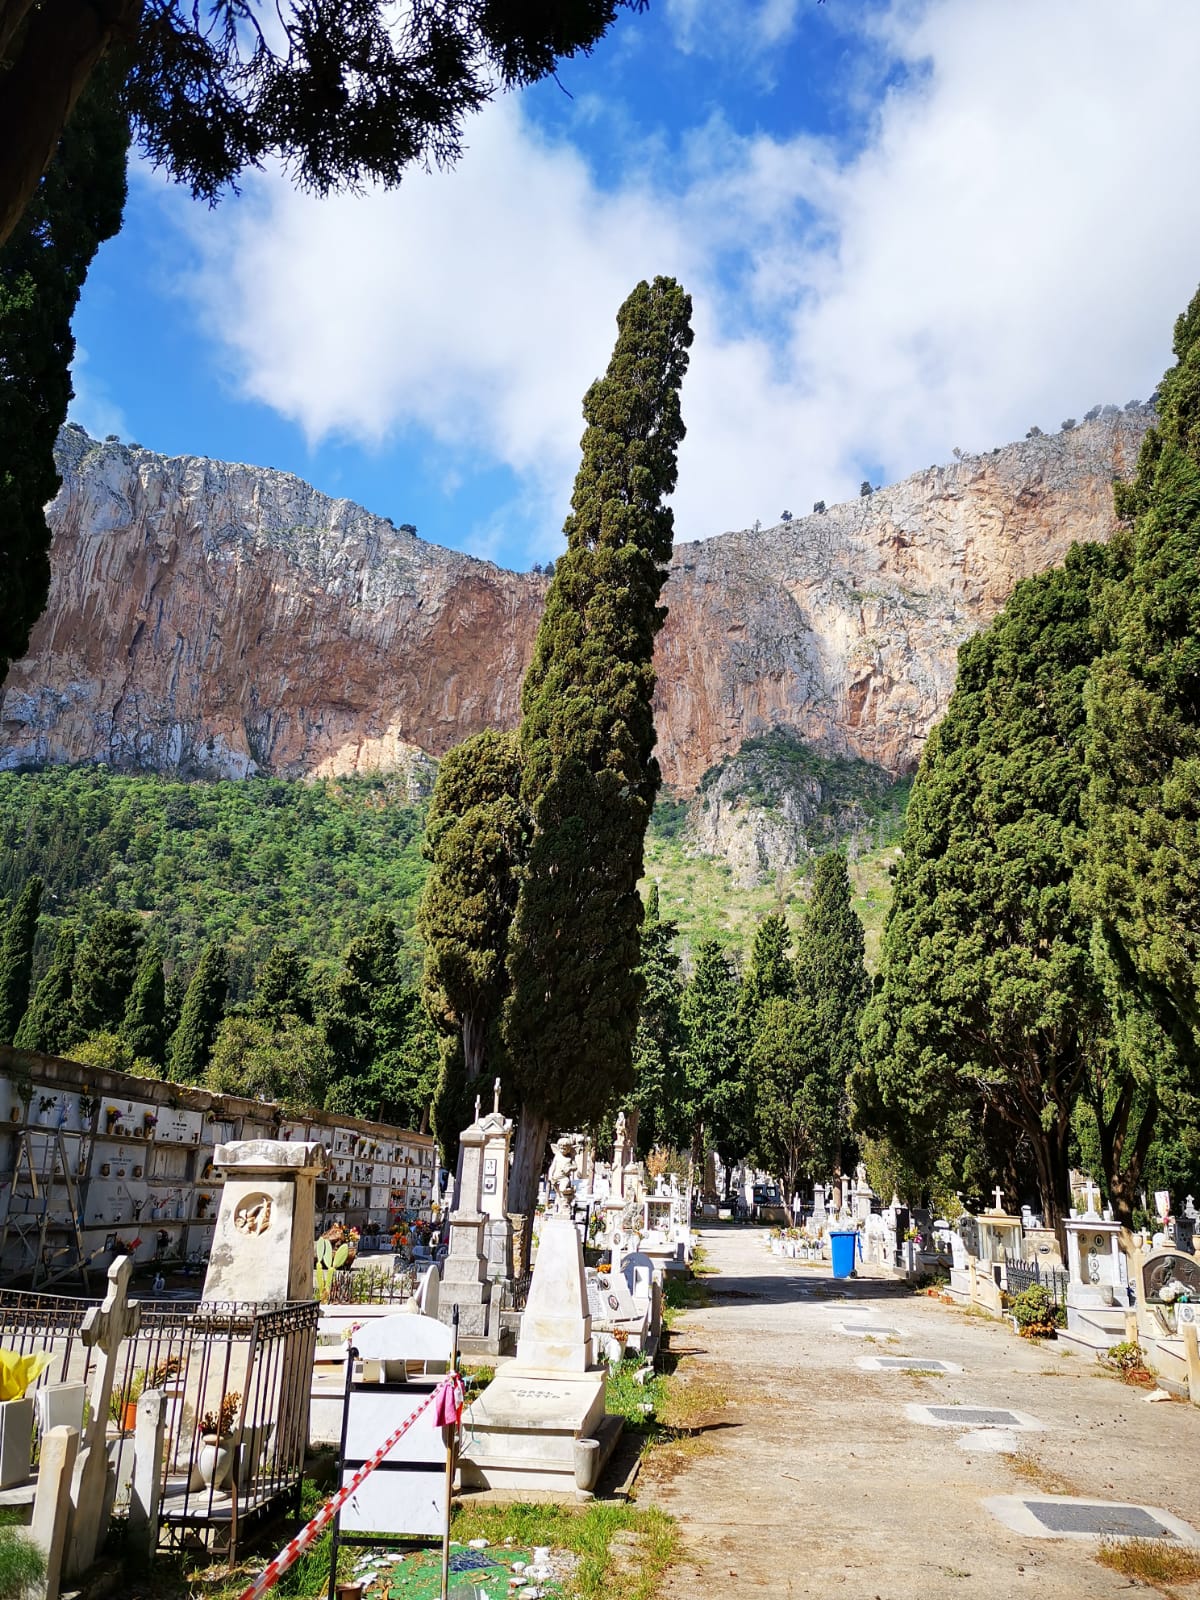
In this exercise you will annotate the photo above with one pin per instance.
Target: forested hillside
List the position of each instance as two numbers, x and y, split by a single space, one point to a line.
246 862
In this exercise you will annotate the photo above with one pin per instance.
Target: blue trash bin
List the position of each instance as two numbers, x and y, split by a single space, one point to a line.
841 1248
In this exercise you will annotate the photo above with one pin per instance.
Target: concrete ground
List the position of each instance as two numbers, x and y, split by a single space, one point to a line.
809 1478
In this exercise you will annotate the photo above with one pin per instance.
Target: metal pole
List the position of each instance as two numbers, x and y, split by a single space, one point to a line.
450 1434
351 1353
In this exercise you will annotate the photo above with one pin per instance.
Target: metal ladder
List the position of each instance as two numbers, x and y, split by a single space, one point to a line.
30 1214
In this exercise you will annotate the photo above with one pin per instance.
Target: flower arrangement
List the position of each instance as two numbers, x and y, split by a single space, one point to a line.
1173 1290
218 1424
149 1120
45 1103
113 1115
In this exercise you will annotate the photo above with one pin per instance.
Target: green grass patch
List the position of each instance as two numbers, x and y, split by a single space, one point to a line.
623 1551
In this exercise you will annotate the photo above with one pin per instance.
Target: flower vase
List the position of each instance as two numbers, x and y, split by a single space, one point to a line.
215 1461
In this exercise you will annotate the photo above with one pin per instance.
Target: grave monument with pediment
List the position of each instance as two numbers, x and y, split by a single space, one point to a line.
262 1246
1097 1292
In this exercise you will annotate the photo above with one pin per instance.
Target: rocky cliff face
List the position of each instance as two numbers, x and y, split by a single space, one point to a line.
220 619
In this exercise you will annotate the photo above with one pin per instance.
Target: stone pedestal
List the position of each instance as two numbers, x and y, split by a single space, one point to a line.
263 1243
524 1427
465 1275
498 1234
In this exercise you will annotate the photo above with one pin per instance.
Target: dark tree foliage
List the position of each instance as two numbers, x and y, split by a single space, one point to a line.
282 987
76 206
1142 865
144 1028
796 1108
16 959
587 739
49 1022
476 838
770 975
382 1047
659 1042
106 964
988 995
341 92
831 972
714 1065
203 1008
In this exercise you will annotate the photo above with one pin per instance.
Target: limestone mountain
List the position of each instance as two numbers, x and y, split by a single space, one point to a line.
212 619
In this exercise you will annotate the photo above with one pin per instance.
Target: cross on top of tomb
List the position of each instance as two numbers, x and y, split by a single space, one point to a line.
999 1194
496 1098
105 1326
1091 1198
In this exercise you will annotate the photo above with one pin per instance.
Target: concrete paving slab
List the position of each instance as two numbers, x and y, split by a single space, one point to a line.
1076 1517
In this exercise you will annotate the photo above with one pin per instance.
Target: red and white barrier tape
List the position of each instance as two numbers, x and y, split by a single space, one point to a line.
275 1569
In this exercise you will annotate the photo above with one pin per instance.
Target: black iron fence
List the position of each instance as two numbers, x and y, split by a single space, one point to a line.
374 1285
220 1482
1020 1274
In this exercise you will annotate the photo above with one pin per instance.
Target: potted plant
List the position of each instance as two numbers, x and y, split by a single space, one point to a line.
216 1450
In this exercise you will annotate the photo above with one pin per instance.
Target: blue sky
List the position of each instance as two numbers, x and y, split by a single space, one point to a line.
907 226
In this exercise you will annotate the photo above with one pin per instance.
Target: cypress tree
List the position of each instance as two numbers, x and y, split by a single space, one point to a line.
989 1014
16 959
796 1121
49 1022
770 975
658 1045
144 1028
1141 873
714 1056
282 987
587 739
77 205
476 836
105 966
203 1008
831 973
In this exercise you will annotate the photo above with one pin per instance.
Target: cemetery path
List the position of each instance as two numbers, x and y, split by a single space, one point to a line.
811 1477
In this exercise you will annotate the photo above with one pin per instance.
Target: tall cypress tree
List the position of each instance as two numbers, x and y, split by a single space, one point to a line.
770 975
144 1027
1141 876
714 1065
476 837
658 1045
203 1008
16 959
49 1022
587 740
990 1013
105 966
831 971
282 987
77 205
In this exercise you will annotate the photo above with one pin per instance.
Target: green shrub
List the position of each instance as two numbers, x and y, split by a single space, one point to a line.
22 1564
1038 1315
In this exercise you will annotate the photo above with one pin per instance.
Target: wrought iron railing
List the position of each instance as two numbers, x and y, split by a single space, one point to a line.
374 1286
196 1355
1020 1274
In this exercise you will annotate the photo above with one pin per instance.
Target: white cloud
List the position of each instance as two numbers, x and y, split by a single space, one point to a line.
1010 245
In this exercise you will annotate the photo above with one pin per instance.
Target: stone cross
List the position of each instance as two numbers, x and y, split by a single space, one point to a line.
477 1103
999 1194
104 1329
1091 1198
496 1098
